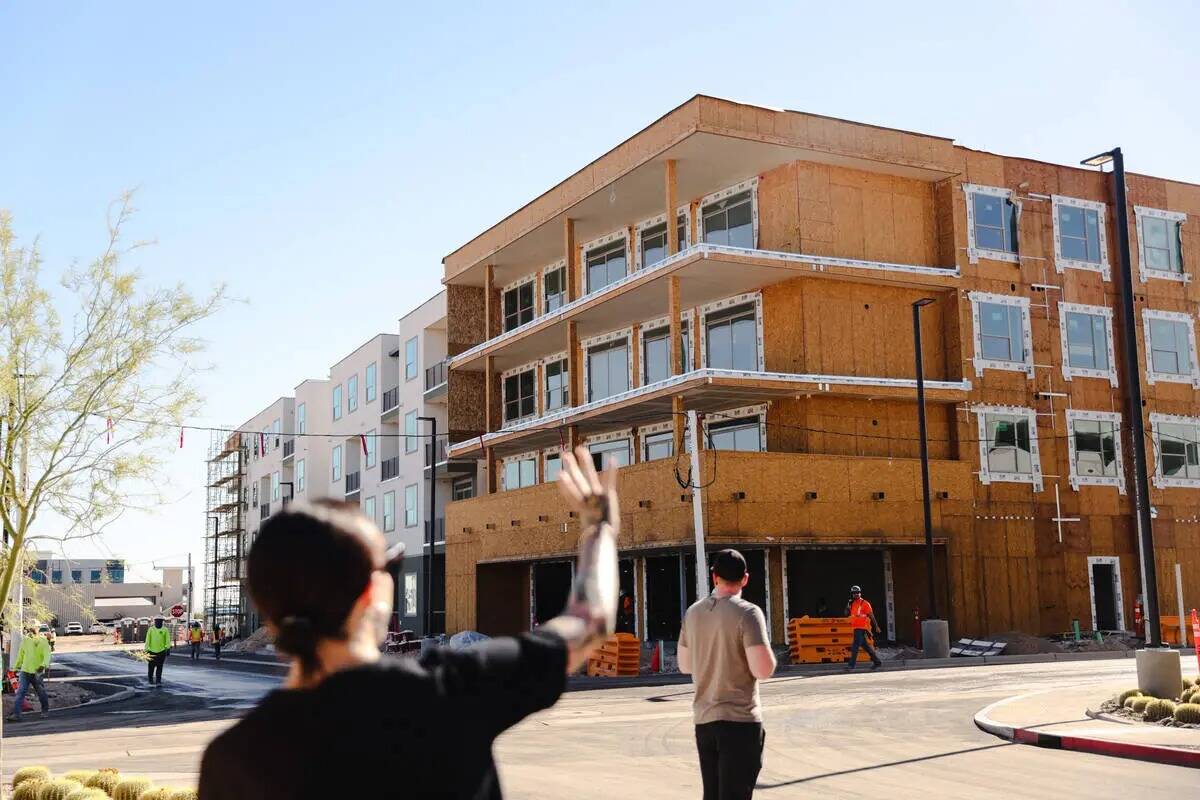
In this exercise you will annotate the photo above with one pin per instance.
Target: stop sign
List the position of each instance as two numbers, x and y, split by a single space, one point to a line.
177 610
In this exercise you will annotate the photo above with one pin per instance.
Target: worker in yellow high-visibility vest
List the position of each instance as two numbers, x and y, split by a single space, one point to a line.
33 661
158 645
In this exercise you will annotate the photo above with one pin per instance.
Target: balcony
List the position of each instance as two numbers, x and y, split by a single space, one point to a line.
446 467
289 448
264 511
389 468
769 498
705 391
389 406
707 273
439 532
353 482
435 380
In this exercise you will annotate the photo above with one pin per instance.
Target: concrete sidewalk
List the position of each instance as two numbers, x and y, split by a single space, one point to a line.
1059 719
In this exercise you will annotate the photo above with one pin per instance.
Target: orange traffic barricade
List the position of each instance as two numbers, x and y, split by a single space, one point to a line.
820 640
619 657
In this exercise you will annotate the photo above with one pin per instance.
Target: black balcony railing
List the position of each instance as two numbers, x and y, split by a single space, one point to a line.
264 511
439 530
441 453
436 375
391 399
289 448
389 468
353 482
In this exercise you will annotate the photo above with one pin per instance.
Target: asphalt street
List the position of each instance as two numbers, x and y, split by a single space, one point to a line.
888 734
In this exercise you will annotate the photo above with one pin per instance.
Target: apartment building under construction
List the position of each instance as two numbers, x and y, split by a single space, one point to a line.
760 267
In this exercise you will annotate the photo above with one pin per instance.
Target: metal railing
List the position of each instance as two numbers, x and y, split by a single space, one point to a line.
441 453
389 468
439 530
391 399
289 448
353 482
436 375
264 511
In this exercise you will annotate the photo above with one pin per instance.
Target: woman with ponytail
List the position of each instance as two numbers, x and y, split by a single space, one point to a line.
348 723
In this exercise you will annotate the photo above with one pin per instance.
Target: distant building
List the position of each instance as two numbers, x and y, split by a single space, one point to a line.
89 590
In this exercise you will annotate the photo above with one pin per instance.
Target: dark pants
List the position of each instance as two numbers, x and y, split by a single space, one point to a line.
195 651
26 680
860 640
154 666
730 758
217 648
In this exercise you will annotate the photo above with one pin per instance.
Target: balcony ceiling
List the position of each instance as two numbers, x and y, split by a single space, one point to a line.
706 163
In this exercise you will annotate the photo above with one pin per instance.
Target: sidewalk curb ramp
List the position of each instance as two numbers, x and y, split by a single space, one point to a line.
1082 744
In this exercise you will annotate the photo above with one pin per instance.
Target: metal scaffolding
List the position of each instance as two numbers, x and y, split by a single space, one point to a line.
225 531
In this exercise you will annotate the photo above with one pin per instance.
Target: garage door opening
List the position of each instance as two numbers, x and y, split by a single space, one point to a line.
755 590
551 586
819 581
627 603
664 598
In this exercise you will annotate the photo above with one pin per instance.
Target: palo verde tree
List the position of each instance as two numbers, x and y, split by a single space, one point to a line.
96 375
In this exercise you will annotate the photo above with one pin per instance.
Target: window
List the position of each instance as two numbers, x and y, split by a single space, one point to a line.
605 265
1160 243
1087 341
551 467
736 434
1079 237
300 475
369 509
1094 448
554 288
991 223
658 445
558 385
518 305
352 393
410 505
410 432
1171 346
462 488
1003 339
94 576
520 471
370 382
729 221
389 511
56 576
410 594
275 485
337 462
1177 444
410 359
614 450
652 241
1008 445
337 401
732 339
277 428
608 369
301 419
76 576
520 398
266 440
656 353
372 441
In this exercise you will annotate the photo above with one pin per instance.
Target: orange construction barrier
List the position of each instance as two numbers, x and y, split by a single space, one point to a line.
821 640
619 657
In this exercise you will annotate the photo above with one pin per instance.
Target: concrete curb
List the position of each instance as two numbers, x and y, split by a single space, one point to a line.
1082 744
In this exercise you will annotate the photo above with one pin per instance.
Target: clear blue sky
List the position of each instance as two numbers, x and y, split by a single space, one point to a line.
321 161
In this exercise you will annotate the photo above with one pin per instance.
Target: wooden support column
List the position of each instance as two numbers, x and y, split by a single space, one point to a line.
491 321
635 354
572 258
675 335
489 458
572 437
678 423
672 201
574 368
491 401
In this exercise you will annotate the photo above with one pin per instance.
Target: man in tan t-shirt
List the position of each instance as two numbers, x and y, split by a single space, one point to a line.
724 647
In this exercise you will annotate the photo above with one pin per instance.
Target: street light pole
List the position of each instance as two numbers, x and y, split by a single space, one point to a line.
427 559
1133 384
916 312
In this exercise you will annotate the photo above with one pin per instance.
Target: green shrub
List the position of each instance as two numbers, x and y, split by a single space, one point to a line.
1125 695
28 790
105 780
1188 712
183 794
25 773
1138 704
85 793
131 788
57 789
1158 709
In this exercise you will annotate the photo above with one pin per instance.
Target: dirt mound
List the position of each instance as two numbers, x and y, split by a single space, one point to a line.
256 642
1113 645
1022 644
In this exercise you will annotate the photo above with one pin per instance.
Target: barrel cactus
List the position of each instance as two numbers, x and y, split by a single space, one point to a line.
183 794
1188 713
1125 695
105 780
25 773
1158 709
29 788
131 788
57 789
80 775
1138 704
161 793
85 793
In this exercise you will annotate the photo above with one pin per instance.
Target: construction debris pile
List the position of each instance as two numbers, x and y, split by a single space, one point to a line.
259 641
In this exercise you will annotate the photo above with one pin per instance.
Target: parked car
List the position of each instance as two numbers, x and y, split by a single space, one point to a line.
73 629
99 627
48 632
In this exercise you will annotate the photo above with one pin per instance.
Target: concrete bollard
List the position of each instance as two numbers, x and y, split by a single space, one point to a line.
935 637
1159 672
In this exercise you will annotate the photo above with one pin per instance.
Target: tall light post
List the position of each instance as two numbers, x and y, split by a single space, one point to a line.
916 314
427 556
1133 383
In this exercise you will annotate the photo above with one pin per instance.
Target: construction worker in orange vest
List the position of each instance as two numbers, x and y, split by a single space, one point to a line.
862 617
